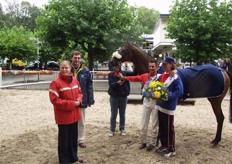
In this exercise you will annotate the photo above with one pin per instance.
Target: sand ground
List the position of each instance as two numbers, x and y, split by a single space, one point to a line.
29 133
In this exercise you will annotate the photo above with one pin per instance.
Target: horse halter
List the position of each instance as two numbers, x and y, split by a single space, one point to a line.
124 51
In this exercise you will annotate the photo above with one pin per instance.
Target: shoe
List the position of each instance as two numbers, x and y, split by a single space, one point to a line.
80 160
76 160
142 146
150 147
82 145
111 134
122 133
169 154
161 149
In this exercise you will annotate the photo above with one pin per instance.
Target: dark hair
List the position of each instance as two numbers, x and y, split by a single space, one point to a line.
153 61
75 53
115 64
173 66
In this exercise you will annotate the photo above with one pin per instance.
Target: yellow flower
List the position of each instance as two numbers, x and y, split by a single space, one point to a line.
158 90
157 94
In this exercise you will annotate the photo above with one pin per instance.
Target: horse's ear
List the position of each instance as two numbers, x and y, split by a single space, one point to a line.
126 43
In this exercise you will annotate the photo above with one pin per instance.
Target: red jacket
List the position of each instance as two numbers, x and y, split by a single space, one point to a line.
63 93
140 78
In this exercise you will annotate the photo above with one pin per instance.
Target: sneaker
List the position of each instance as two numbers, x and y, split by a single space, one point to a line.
150 147
142 145
122 133
161 149
111 134
169 154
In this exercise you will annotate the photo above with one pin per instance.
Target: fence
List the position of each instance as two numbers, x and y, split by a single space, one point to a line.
40 80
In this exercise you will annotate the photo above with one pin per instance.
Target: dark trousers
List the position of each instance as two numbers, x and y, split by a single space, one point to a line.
67 143
166 130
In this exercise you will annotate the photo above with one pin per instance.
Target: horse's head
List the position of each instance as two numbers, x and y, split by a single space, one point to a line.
116 57
130 52
124 53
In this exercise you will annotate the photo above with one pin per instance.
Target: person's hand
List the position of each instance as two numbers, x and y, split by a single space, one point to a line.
172 73
120 75
77 103
120 82
123 78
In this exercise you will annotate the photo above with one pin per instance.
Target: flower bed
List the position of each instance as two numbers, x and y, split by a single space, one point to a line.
20 72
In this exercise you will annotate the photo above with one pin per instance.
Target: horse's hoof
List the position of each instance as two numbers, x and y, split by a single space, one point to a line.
213 144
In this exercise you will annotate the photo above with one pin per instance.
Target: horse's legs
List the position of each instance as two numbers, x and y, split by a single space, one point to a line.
216 105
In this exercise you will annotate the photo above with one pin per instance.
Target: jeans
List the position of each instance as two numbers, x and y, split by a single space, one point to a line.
118 104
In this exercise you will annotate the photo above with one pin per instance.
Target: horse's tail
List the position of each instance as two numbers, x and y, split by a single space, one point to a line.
230 75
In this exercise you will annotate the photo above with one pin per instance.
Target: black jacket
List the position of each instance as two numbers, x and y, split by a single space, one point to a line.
86 82
117 90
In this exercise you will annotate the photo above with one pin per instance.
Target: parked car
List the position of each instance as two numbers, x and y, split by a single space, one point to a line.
34 66
52 65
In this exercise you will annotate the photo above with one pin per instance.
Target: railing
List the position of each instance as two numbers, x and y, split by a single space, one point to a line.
41 79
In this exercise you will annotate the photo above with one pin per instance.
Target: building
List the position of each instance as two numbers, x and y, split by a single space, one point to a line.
157 45
162 46
148 40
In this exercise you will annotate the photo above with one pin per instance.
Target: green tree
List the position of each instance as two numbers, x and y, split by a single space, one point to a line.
28 15
23 14
147 18
201 29
97 26
15 43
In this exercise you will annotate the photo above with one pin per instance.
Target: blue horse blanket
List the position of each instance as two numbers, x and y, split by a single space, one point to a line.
202 81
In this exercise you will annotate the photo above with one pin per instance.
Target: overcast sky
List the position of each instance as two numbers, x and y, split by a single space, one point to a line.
162 6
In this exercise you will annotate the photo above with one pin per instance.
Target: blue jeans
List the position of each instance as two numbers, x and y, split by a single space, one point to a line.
118 104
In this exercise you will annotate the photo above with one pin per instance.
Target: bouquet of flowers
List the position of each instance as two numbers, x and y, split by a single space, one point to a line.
155 90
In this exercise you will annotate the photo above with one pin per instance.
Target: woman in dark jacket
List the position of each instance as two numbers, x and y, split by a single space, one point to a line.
118 91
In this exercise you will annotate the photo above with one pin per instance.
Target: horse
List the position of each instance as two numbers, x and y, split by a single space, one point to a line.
130 52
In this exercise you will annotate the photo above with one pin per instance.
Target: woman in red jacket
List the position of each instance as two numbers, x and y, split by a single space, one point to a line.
66 97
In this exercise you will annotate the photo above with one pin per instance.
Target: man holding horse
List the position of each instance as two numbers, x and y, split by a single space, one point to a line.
118 91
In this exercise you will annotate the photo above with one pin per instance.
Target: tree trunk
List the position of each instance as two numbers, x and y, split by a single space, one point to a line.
10 63
90 57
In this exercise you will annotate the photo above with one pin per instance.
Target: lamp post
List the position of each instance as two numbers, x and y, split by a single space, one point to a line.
37 49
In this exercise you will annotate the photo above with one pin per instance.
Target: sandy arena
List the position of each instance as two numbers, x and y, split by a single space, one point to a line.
29 133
